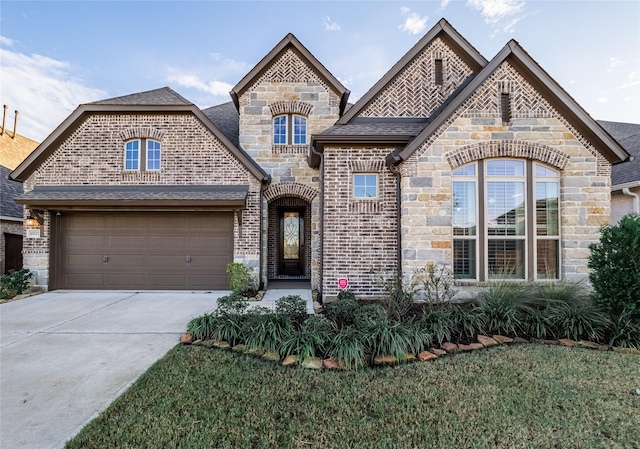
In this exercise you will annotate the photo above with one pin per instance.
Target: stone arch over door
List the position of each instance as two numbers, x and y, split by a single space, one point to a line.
296 198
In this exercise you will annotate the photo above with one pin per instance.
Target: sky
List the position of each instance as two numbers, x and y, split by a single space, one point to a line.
56 55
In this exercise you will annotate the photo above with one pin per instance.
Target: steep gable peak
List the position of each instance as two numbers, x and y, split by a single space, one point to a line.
514 56
290 42
397 89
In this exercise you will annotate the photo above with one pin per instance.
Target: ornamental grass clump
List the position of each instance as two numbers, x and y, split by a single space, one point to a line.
395 338
266 330
349 347
311 340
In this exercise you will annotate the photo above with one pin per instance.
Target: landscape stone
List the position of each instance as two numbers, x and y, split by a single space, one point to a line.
549 342
186 339
313 363
426 355
485 341
627 350
333 363
450 347
384 359
591 345
254 351
567 342
273 356
222 344
520 340
239 348
290 360
502 339
438 351
476 346
465 348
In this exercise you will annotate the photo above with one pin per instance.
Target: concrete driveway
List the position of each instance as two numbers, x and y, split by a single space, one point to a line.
66 355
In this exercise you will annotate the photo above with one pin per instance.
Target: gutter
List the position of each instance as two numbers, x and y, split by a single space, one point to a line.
636 200
393 169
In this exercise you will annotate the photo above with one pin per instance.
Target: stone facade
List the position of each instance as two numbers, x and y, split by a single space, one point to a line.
289 86
536 131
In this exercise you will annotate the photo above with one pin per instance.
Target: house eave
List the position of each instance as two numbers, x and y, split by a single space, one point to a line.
318 142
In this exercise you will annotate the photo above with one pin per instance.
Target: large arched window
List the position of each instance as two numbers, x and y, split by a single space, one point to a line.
289 129
506 220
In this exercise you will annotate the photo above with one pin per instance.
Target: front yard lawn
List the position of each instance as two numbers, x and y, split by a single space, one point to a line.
507 396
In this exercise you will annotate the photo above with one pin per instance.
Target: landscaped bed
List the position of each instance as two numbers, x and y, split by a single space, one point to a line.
524 395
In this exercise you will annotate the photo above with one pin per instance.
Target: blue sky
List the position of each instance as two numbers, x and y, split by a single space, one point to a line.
57 55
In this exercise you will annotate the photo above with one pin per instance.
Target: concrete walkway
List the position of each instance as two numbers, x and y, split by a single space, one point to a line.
66 355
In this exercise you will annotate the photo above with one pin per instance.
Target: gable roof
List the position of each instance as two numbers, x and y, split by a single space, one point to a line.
628 135
14 148
443 30
9 190
289 41
158 100
226 118
543 83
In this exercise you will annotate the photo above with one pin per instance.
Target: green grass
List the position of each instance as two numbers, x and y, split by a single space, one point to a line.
529 396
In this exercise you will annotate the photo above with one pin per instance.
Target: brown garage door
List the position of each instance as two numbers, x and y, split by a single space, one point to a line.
144 250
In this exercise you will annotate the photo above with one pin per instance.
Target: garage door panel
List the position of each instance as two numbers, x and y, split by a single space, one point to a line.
126 241
145 250
168 243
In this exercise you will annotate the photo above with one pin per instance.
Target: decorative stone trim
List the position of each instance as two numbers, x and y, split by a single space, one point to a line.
291 107
364 206
293 189
289 149
141 133
507 148
366 166
140 176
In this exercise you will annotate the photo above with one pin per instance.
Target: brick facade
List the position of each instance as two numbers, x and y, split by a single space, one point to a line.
191 155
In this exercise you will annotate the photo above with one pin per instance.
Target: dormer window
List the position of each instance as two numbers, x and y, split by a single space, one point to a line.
289 129
137 160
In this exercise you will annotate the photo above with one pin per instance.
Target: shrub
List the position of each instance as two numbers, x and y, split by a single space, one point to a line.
241 280
501 306
266 330
343 310
368 315
399 295
615 265
397 339
232 304
438 324
347 294
14 283
349 347
305 343
467 321
436 283
293 307
625 330
581 319
202 327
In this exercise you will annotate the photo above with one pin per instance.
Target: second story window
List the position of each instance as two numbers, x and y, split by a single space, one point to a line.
142 155
289 130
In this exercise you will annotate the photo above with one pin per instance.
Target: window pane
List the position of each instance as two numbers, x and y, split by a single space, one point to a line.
544 171
291 235
280 130
464 259
548 260
505 208
467 170
464 208
547 208
504 167
153 155
365 186
299 130
505 259
132 155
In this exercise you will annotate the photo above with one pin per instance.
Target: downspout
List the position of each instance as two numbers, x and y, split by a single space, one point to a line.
398 175
320 219
636 199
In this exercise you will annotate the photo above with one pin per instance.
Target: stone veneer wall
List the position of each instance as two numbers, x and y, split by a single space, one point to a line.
536 131
288 86
191 155
7 227
359 235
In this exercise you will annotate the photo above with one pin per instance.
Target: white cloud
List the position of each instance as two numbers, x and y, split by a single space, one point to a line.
502 14
6 41
444 3
413 24
44 90
633 79
330 25
216 88
602 100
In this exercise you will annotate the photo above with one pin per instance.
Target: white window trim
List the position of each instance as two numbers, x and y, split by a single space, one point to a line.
365 198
